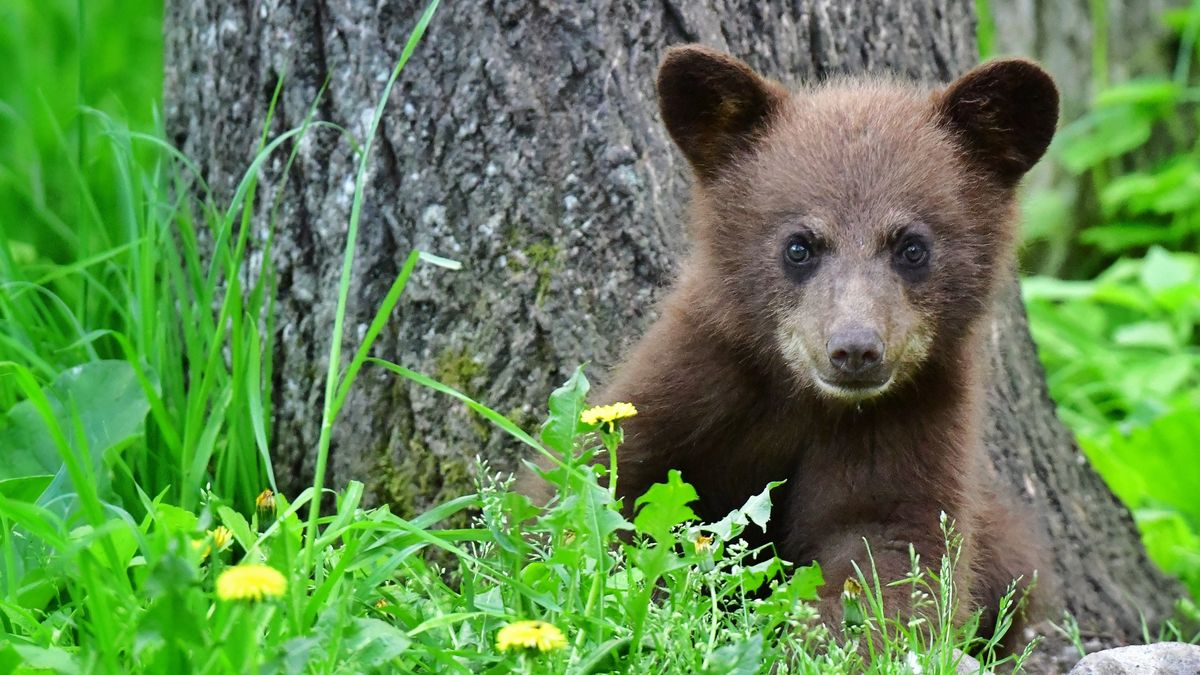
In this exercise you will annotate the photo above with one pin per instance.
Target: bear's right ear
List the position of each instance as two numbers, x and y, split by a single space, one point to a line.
1003 113
713 105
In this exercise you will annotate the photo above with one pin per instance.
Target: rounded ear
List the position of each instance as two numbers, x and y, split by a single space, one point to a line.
713 105
1004 113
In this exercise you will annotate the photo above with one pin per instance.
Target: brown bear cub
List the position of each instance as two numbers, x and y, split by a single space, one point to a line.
826 328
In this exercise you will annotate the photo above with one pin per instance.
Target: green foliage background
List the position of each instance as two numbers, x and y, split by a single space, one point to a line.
62 57
1118 324
135 417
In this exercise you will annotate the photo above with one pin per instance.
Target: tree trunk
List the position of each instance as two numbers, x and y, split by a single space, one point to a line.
524 141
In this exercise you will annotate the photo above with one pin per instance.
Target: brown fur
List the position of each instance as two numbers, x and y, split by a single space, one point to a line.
734 383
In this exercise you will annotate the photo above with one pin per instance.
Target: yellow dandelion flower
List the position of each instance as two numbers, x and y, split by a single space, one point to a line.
221 536
703 543
854 614
265 501
851 588
537 635
607 415
250 582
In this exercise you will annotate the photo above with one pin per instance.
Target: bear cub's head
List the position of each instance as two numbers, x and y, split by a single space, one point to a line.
855 232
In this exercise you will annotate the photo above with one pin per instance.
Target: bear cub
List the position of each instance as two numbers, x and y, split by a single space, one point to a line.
826 327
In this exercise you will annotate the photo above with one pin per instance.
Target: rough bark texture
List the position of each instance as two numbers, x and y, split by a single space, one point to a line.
524 141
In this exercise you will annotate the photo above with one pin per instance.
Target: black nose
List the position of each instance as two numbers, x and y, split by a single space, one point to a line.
855 351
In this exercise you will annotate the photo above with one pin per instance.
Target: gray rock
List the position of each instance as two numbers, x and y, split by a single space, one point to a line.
1164 658
968 665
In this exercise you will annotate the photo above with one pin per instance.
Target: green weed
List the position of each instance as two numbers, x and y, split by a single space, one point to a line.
1122 348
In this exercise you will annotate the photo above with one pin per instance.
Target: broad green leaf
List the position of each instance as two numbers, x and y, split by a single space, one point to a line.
1143 92
656 561
728 527
1043 213
117 535
111 407
603 658
176 520
237 524
805 581
1163 270
25 488
1101 135
371 644
540 577
566 404
16 657
1156 377
1122 236
739 658
752 577
1154 334
664 506
1168 536
1038 288
758 507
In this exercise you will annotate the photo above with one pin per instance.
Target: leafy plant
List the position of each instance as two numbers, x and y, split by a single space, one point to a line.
1122 348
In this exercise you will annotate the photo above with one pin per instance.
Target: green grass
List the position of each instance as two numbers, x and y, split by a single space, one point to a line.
62 60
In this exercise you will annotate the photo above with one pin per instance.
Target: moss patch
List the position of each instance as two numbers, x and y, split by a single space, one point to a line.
457 368
542 257
421 480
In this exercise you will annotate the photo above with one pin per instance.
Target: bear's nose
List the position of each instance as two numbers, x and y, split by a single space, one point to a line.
855 351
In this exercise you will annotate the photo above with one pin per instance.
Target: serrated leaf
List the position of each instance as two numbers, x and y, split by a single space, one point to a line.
237 524
728 527
664 506
758 507
566 404
805 581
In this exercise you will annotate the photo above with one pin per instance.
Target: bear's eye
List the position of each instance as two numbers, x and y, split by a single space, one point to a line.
913 253
797 252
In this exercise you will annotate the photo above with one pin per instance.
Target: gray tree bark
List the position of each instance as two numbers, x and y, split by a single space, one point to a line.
524 141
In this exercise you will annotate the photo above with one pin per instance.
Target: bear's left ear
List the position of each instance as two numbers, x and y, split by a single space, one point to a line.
714 106
1004 113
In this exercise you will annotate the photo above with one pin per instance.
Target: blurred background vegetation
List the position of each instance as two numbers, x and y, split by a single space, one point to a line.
62 59
1111 226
